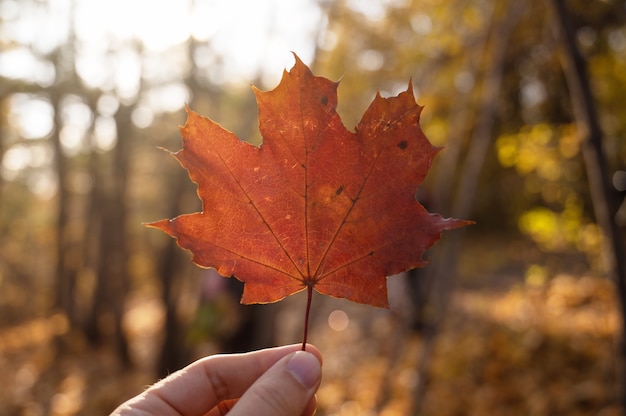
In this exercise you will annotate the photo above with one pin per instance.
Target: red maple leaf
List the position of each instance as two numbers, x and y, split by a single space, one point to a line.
315 206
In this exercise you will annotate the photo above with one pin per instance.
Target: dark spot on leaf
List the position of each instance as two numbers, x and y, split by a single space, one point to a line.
339 190
403 145
324 100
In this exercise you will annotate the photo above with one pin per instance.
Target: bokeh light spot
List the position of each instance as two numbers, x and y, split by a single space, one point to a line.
338 320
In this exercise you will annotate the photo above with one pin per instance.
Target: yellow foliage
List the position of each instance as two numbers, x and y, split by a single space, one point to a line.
542 224
507 147
436 131
568 229
536 276
540 149
543 155
569 142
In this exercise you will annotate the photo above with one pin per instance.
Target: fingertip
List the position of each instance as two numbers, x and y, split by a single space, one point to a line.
315 351
306 368
287 387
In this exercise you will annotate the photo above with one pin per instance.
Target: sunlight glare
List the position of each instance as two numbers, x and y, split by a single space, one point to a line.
31 115
108 105
105 133
250 39
75 111
20 63
9 10
142 116
71 137
14 160
127 74
168 98
421 24
77 118
158 24
373 10
370 60
93 69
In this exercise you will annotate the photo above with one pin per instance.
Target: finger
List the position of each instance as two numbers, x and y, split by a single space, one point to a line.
199 387
310 409
224 407
286 389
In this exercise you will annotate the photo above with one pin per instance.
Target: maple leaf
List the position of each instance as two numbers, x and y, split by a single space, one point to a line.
315 206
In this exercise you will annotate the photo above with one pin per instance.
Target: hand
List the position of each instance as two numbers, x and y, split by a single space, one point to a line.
278 381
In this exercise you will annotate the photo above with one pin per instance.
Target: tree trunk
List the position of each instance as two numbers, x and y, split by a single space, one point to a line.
93 251
443 267
604 197
172 355
117 257
110 253
65 276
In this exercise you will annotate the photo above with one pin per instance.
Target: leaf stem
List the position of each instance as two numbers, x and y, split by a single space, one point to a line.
309 298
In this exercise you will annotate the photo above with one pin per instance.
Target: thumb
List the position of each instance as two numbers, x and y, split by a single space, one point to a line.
286 389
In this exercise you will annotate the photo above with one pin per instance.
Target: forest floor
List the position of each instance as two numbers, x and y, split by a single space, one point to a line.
531 346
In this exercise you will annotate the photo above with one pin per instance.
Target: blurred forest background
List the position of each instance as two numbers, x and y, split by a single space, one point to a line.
520 314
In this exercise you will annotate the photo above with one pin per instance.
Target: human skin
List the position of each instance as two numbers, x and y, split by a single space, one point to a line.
279 381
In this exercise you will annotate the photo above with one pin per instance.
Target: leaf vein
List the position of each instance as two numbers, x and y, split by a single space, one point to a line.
251 201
